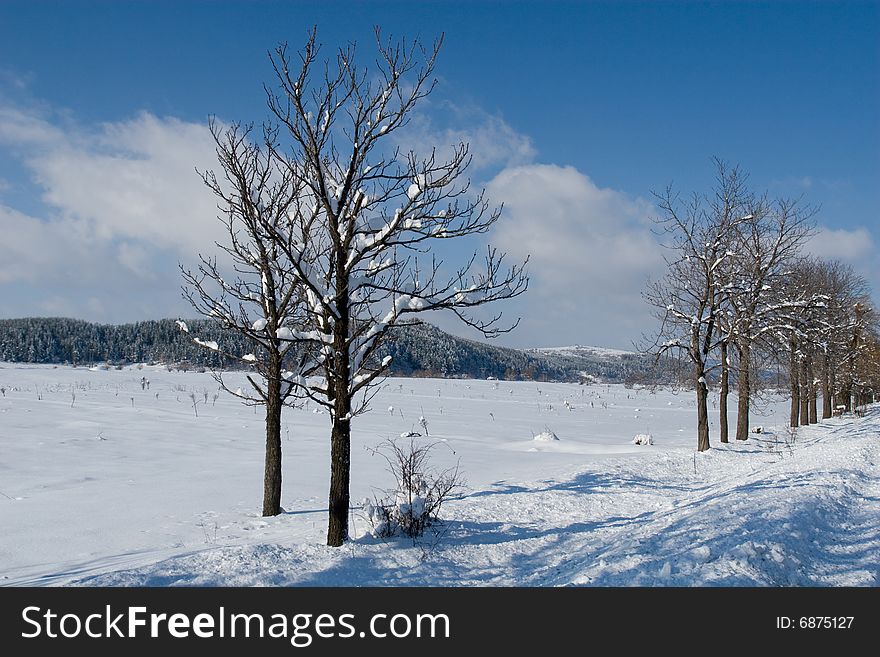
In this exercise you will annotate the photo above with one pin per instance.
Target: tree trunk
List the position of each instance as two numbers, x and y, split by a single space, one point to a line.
340 474
702 414
814 391
340 437
725 390
848 388
793 382
826 387
744 391
845 396
272 471
804 393
835 394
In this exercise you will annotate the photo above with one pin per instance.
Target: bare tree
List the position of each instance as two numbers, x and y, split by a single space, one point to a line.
689 299
863 318
791 328
817 327
255 291
766 244
837 288
364 222
867 371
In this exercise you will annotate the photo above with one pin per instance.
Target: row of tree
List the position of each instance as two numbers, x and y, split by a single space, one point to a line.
739 295
830 344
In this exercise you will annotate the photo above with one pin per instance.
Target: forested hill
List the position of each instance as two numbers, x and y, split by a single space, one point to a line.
417 350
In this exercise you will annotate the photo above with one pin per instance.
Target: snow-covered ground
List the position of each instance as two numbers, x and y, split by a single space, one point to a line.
581 350
104 482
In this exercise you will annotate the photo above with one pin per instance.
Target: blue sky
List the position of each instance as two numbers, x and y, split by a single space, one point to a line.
575 111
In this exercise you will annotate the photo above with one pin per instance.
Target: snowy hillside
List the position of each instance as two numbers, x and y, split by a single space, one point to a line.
583 351
599 362
107 482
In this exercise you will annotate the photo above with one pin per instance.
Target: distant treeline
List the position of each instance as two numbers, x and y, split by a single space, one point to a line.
417 350
75 342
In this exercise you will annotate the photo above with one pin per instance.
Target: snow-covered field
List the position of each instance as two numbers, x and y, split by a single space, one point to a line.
103 482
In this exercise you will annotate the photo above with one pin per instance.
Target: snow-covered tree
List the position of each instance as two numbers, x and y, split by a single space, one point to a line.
820 331
766 243
867 370
255 291
794 329
689 299
365 222
858 355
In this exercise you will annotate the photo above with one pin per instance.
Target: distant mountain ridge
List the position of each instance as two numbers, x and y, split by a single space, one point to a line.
417 349
578 350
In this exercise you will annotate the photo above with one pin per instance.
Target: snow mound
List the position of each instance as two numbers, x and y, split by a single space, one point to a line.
643 439
546 436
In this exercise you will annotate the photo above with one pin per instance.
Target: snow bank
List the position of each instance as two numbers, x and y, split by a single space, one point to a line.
546 436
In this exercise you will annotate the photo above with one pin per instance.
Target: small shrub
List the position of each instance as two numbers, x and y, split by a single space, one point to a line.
420 491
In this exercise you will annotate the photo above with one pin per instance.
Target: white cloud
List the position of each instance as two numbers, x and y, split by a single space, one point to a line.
851 246
591 250
22 128
66 307
136 259
493 143
122 203
856 247
28 247
133 179
48 268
